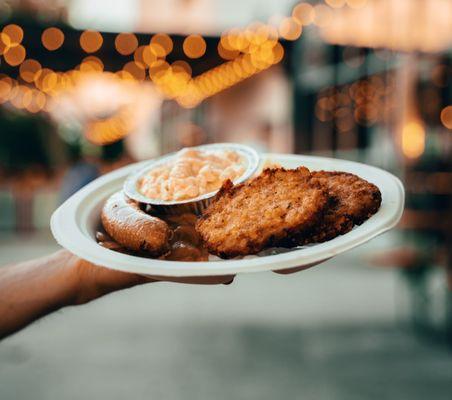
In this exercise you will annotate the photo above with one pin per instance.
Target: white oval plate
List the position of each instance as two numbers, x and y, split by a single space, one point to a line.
75 222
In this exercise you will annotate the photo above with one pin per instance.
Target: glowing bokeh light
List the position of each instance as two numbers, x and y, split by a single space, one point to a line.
225 53
12 35
446 117
290 29
126 43
6 85
304 13
29 70
52 38
181 66
91 64
323 15
413 139
194 46
335 3
163 40
91 41
356 3
136 70
15 55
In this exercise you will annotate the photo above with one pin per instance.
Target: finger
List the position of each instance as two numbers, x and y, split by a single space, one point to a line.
228 283
293 270
196 280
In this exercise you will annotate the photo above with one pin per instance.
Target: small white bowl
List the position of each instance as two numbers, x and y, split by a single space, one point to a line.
197 204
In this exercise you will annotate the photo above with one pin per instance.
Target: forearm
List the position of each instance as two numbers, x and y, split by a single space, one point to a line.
32 289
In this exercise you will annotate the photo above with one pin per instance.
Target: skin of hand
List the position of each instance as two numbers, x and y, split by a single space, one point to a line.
32 289
293 270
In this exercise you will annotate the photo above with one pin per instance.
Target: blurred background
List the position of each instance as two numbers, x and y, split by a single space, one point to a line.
87 87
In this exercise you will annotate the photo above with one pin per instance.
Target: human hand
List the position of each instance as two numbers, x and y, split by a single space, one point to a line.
34 288
293 270
93 281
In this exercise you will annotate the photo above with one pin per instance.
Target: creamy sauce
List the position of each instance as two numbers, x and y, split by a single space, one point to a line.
185 243
190 174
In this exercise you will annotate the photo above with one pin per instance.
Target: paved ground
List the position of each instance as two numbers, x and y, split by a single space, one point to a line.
332 332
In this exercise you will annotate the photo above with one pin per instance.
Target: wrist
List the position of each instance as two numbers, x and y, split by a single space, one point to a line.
90 281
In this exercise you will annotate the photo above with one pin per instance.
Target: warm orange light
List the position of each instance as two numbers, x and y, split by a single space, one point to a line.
356 3
21 96
148 56
163 40
139 55
37 103
135 70
15 55
179 66
126 43
413 139
91 41
157 69
91 64
6 85
258 33
4 43
235 39
225 53
157 50
303 13
29 70
52 38
446 117
49 82
194 46
13 35
335 3
46 80
323 15
290 29
278 53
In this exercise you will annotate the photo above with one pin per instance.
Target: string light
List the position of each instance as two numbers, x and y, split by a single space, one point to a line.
126 43
91 41
290 29
446 117
356 3
29 70
304 13
4 43
6 85
162 41
91 64
194 46
248 52
52 38
15 55
335 3
413 139
12 35
226 54
323 15
135 70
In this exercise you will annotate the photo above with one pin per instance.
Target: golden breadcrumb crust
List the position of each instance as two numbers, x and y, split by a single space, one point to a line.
352 201
263 212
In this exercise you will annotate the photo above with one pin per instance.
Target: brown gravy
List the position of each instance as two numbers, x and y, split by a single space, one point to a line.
185 243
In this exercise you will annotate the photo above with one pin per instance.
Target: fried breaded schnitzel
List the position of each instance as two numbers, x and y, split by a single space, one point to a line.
246 218
352 201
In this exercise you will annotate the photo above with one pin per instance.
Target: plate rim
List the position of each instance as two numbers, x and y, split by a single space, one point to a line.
64 219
